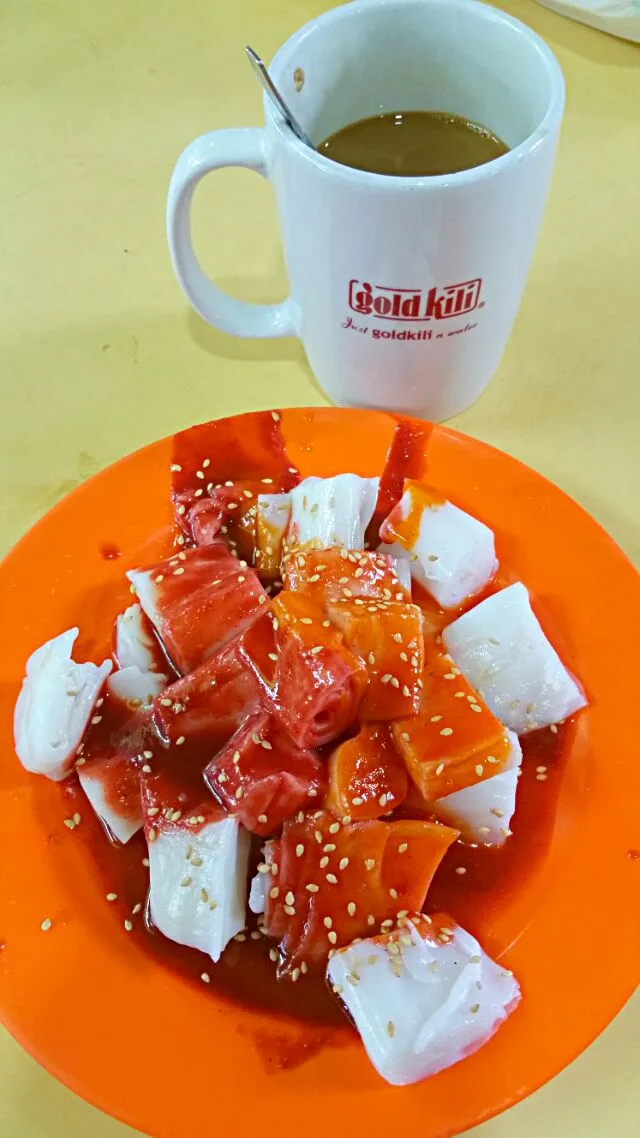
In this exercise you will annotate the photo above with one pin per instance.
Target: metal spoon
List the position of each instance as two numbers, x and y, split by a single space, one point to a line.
276 97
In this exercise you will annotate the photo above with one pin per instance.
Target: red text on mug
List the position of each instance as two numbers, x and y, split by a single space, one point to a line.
437 303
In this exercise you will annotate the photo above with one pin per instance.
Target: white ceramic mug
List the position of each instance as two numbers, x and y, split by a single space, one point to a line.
403 290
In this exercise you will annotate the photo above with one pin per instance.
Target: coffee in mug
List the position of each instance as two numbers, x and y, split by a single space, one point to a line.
404 288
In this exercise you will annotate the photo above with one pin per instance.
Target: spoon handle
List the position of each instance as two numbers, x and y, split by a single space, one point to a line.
276 97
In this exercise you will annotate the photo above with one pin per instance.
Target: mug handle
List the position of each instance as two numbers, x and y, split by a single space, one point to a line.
220 148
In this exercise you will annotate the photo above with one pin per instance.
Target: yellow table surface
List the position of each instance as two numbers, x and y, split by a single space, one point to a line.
100 354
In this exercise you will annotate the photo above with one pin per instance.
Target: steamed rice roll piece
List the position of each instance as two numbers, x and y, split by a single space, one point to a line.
258 892
455 741
501 649
114 748
198 875
55 704
483 813
262 777
338 881
329 575
422 997
272 521
332 512
310 680
198 600
135 643
451 554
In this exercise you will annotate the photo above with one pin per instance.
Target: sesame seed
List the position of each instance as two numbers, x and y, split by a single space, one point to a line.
351 909
153 810
357 801
196 862
274 892
479 770
405 690
403 847
128 925
541 778
404 657
205 977
324 861
313 578
274 869
553 729
395 682
474 1008
332 937
334 827
386 678
393 893
222 778
491 759
180 740
317 648
460 869
236 757
369 863
295 975
346 821
159 578
405 736
69 823
241 579
165 702
397 637
241 937
186 882
311 887
112 896
436 718
239 793
96 719
332 879
484 830
273 955
343 863
289 910
541 770
475 707
449 676
177 814
371 919
152 835
204 896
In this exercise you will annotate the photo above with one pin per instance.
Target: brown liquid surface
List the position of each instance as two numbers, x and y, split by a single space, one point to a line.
413 144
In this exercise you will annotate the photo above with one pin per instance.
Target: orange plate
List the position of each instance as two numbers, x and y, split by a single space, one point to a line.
160 1053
